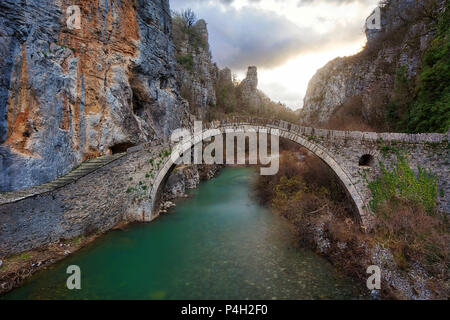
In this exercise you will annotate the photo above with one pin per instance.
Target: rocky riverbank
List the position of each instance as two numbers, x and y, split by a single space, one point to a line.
307 193
16 269
352 252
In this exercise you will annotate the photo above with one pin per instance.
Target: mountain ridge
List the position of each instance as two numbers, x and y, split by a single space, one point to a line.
367 91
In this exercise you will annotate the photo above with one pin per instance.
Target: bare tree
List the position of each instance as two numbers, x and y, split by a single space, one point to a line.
189 17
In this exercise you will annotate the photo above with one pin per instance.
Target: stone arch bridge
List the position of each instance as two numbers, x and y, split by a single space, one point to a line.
127 186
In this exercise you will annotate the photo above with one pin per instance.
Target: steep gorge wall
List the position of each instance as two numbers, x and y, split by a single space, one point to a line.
364 83
69 95
197 74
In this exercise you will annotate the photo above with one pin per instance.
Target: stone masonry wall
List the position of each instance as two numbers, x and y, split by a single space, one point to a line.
96 202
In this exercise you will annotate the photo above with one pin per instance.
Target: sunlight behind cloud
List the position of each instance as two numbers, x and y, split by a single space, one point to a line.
288 83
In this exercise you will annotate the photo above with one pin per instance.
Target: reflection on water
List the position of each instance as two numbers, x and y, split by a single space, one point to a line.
219 244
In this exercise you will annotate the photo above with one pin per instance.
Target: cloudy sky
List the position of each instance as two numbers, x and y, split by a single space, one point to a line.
288 40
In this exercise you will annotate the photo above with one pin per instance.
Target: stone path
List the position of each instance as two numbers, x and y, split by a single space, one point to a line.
84 169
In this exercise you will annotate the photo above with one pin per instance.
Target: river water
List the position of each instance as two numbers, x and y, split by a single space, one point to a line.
218 244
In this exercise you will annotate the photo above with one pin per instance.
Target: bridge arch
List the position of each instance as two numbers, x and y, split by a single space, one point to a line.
283 131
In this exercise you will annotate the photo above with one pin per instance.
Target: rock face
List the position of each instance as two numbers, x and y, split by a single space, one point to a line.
249 87
367 78
398 283
250 84
196 73
69 95
225 75
180 180
184 178
251 96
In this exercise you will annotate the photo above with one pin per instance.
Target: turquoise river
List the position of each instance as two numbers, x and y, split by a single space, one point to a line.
218 244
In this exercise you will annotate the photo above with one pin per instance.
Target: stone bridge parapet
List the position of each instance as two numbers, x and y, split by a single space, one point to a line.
127 188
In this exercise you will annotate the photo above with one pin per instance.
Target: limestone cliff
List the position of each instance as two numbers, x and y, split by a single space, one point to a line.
225 75
249 88
186 177
67 95
353 92
196 72
258 103
212 93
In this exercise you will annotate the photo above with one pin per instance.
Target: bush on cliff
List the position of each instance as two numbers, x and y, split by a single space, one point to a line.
431 111
187 61
184 28
425 106
417 104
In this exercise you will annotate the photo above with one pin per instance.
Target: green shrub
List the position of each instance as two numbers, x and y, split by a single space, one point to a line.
386 150
129 190
402 183
24 256
423 104
431 110
187 61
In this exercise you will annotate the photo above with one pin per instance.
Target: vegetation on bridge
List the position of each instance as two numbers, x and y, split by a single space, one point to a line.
407 220
401 182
